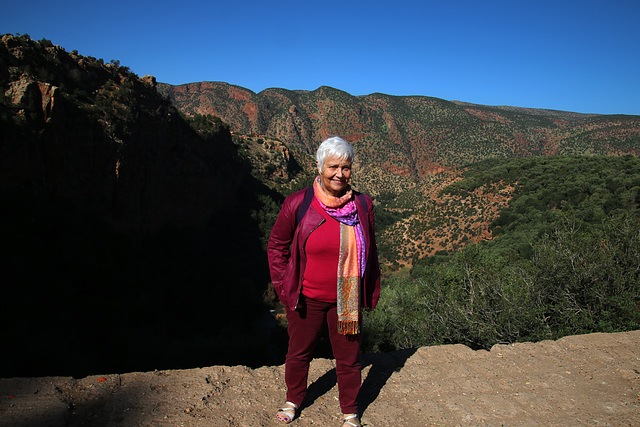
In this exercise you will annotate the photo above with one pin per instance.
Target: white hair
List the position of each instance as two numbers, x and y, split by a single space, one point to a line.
334 147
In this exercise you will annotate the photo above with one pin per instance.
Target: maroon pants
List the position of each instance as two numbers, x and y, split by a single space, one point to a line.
305 325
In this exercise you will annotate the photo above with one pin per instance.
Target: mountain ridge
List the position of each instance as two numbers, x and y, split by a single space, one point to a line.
407 146
404 138
534 111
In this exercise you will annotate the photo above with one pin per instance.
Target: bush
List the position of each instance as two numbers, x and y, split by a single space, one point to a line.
578 280
590 281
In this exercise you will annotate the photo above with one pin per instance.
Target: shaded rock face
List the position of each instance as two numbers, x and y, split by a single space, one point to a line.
111 144
122 224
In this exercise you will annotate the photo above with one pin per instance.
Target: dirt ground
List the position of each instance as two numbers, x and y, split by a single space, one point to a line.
576 381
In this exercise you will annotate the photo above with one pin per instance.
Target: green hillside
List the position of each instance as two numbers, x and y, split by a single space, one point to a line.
565 261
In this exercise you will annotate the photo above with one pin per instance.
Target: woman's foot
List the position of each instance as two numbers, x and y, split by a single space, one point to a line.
351 420
287 413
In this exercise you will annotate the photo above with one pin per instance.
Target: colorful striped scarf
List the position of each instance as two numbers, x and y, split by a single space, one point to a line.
351 260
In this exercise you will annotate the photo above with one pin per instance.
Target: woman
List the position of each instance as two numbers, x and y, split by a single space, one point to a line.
324 267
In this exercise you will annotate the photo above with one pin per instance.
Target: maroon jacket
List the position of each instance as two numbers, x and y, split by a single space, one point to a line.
287 257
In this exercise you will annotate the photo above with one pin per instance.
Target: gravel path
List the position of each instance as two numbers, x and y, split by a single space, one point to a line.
579 380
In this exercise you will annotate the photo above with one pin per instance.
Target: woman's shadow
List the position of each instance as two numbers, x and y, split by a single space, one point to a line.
382 367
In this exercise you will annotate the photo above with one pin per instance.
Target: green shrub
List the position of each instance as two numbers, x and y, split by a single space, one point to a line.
579 277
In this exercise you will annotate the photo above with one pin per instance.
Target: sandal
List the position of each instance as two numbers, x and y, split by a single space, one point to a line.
287 413
348 417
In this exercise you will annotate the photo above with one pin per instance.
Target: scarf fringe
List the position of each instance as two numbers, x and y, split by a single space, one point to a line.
350 327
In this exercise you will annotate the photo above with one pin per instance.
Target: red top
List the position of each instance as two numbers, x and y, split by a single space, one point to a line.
322 249
288 259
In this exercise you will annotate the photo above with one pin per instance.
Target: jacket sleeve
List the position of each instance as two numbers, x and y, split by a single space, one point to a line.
279 245
373 265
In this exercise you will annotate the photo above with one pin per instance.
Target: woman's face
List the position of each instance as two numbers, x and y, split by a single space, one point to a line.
335 176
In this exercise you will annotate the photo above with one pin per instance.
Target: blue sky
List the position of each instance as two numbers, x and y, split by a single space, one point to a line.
581 56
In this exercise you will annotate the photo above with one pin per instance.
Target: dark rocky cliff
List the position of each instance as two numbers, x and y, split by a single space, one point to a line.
102 138
123 226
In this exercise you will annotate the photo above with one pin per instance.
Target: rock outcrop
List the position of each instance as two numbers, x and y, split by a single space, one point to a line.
122 224
108 141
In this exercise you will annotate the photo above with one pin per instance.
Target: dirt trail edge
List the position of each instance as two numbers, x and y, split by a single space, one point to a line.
589 379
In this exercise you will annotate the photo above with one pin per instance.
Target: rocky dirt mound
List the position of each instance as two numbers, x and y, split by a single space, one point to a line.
579 380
